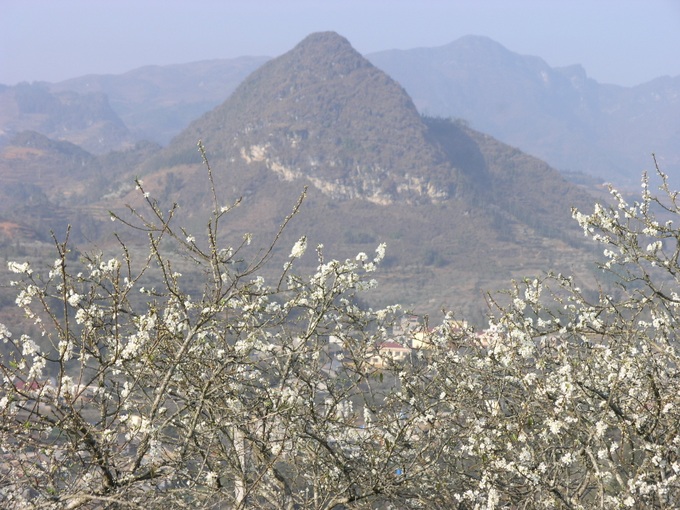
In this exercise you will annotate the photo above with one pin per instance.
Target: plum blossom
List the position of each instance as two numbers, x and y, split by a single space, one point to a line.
211 479
299 248
73 298
5 334
19 268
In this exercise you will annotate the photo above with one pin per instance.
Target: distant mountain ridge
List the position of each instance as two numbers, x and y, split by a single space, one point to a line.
461 212
157 102
558 114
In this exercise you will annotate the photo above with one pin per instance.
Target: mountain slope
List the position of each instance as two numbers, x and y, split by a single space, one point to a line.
47 185
558 114
460 211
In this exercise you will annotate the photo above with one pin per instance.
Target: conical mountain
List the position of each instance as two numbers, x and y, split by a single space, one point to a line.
324 112
461 212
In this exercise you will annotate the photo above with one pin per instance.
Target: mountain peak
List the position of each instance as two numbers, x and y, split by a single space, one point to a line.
324 113
329 41
480 41
326 53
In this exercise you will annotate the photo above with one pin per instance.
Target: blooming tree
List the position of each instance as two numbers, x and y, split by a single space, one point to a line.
577 396
146 390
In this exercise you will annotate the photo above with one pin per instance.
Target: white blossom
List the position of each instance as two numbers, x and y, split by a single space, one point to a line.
211 479
74 298
5 334
299 248
19 268
111 266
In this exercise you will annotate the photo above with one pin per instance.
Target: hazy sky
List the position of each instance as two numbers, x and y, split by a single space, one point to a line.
618 41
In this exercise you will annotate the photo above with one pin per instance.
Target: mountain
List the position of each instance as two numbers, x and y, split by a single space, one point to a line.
325 113
460 211
644 119
557 114
157 102
578 125
86 120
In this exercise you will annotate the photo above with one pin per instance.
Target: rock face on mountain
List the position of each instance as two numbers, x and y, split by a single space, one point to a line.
461 212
